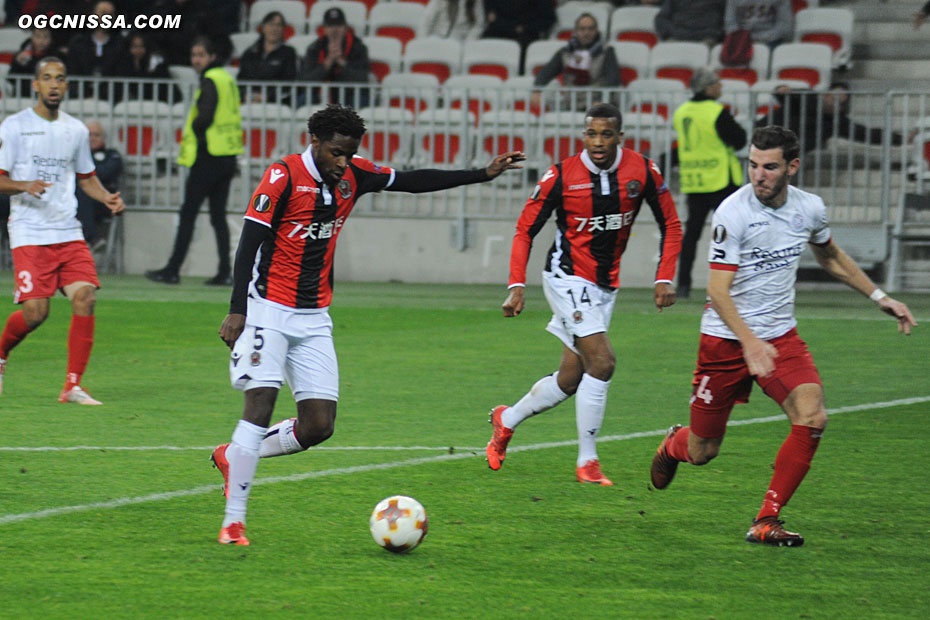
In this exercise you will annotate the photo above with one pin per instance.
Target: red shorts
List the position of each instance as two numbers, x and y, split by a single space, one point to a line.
42 269
722 379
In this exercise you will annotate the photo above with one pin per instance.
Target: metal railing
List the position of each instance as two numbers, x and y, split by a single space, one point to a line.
463 126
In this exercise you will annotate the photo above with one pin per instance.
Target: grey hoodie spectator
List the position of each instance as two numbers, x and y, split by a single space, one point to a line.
769 21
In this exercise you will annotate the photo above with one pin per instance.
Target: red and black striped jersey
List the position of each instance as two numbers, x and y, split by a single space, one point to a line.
594 212
294 265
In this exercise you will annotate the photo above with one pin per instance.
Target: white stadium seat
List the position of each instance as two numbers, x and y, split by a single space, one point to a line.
677 60
833 27
809 62
434 55
634 23
757 69
500 57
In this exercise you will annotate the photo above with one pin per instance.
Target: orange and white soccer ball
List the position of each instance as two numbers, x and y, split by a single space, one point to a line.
398 523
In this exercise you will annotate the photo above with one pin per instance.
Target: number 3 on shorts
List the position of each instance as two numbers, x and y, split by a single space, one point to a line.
25 279
702 392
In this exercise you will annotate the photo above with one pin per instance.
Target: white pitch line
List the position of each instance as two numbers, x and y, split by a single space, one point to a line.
180 448
211 488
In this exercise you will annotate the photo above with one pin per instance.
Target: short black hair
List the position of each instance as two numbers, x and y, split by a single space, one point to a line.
207 43
605 110
333 119
777 137
49 59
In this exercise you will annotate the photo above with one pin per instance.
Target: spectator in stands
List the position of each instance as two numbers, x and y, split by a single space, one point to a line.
338 56
210 142
33 49
691 20
95 53
708 137
269 59
585 61
109 163
798 111
921 16
453 19
769 21
140 62
524 21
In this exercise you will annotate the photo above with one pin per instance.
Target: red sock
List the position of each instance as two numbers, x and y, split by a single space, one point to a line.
80 342
13 333
678 446
791 465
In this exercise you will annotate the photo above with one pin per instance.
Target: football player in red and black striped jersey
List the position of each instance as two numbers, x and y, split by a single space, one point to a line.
595 195
278 324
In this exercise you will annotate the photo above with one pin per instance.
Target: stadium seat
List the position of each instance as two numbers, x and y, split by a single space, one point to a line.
143 135
395 19
433 55
539 53
757 69
677 60
445 138
655 95
566 15
266 127
501 131
634 23
384 54
516 94
10 41
413 91
479 93
300 43
356 13
560 135
294 12
736 97
389 136
500 57
833 27
241 41
809 62
800 5
633 58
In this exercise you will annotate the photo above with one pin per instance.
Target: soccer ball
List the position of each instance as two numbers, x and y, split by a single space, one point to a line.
398 523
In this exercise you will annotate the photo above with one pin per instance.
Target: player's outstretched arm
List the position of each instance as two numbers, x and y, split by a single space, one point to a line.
841 266
432 180
505 161
514 303
897 309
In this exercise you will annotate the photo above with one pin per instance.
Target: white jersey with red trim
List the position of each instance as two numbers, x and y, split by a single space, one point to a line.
763 246
33 148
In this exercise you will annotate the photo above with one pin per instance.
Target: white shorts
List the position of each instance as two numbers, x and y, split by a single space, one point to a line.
579 308
279 345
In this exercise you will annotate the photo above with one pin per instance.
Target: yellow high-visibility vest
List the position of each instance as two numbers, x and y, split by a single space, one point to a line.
706 163
224 135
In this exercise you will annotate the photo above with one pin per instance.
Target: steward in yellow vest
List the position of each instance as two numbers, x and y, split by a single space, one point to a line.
220 134
708 137
210 142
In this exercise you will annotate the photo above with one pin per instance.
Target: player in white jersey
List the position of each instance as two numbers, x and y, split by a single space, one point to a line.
42 151
748 329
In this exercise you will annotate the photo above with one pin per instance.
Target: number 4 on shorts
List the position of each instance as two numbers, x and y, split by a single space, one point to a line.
702 392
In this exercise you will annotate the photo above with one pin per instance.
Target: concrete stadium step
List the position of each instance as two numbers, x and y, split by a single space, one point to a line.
913 70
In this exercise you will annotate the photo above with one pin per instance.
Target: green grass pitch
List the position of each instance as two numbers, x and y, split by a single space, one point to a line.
103 531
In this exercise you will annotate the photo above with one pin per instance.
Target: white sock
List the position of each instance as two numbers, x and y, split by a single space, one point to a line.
590 403
544 395
242 455
280 439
